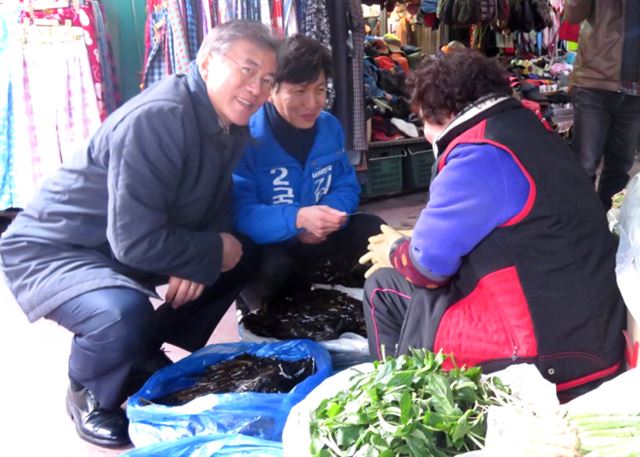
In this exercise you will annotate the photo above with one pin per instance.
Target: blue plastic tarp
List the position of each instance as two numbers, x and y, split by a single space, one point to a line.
261 415
211 446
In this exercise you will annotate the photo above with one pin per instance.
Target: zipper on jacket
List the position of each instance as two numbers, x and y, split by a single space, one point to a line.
514 354
514 343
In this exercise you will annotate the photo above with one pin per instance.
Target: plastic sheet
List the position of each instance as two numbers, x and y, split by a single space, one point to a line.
211 446
628 255
346 350
296 438
261 415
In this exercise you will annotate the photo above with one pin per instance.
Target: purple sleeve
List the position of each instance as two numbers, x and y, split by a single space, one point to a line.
480 188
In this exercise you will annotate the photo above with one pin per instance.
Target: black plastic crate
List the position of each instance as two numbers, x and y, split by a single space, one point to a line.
417 166
384 171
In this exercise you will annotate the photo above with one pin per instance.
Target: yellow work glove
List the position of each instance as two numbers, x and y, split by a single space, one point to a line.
378 249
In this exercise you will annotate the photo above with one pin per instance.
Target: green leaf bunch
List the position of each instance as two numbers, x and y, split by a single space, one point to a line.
406 406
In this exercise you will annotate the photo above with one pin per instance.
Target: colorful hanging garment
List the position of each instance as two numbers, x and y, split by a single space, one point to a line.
178 44
63 118
156 62
8 44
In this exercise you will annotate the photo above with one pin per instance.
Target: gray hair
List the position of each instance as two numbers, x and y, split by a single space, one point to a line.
221 37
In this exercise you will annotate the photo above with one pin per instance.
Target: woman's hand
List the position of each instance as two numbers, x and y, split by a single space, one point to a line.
379 248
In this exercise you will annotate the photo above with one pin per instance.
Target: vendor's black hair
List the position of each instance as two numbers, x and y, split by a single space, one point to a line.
301 60
446 84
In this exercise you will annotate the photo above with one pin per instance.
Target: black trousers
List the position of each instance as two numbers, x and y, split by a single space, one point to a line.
606 128
288 267
116 329
388 298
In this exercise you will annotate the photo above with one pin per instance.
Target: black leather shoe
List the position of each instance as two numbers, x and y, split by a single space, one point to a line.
95 424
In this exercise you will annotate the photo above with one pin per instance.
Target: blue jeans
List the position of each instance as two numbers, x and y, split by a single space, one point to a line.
606 128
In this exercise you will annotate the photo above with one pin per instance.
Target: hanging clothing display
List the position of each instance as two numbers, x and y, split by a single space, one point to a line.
173 33
170 31
8 34
96 40
57 83
70 114
316 24
360 142
337 24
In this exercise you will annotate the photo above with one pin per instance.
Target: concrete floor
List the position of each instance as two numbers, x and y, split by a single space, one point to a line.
34 356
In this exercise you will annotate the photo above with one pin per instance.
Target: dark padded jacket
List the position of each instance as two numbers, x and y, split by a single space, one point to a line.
145 199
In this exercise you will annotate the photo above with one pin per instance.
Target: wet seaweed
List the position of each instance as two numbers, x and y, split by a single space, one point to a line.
244 373
318 315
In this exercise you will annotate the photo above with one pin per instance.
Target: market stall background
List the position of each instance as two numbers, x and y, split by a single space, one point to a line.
390 164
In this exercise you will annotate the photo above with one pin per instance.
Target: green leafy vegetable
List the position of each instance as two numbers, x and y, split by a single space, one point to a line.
407 406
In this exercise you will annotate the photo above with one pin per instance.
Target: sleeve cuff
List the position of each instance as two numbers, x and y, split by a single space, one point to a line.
401 260
291 214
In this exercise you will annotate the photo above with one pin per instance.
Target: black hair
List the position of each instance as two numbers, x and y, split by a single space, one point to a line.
301 60
446 84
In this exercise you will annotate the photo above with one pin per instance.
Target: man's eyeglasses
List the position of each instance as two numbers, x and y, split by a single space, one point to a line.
250 74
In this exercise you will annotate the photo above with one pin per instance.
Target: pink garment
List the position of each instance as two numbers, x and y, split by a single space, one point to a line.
58 120
83 18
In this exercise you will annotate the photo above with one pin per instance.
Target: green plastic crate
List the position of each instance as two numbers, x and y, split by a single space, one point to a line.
417 166
384 171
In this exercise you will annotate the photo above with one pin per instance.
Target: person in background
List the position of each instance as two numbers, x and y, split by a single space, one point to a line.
511 260
295 190
146 202
606 90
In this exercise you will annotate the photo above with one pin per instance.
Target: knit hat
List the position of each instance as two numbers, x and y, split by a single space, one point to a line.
393 42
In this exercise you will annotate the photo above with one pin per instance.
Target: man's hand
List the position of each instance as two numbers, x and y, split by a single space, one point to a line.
231 251
320 220
310 238
182 291
379 247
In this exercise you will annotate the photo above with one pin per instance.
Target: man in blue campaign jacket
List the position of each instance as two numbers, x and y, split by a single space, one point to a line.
294 188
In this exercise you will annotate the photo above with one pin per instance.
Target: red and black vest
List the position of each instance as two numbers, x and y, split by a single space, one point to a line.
541 288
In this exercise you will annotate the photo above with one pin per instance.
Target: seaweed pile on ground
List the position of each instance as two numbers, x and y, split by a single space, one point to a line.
244 373
318 315
340 272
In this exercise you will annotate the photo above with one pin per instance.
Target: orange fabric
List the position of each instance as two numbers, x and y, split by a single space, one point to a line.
402 60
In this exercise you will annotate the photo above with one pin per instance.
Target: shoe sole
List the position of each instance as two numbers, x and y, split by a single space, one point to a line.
90 438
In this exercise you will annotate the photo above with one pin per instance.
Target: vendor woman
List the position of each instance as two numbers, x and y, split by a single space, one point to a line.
511 260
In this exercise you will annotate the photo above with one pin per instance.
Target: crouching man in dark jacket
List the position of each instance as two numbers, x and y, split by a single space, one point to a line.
146 202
